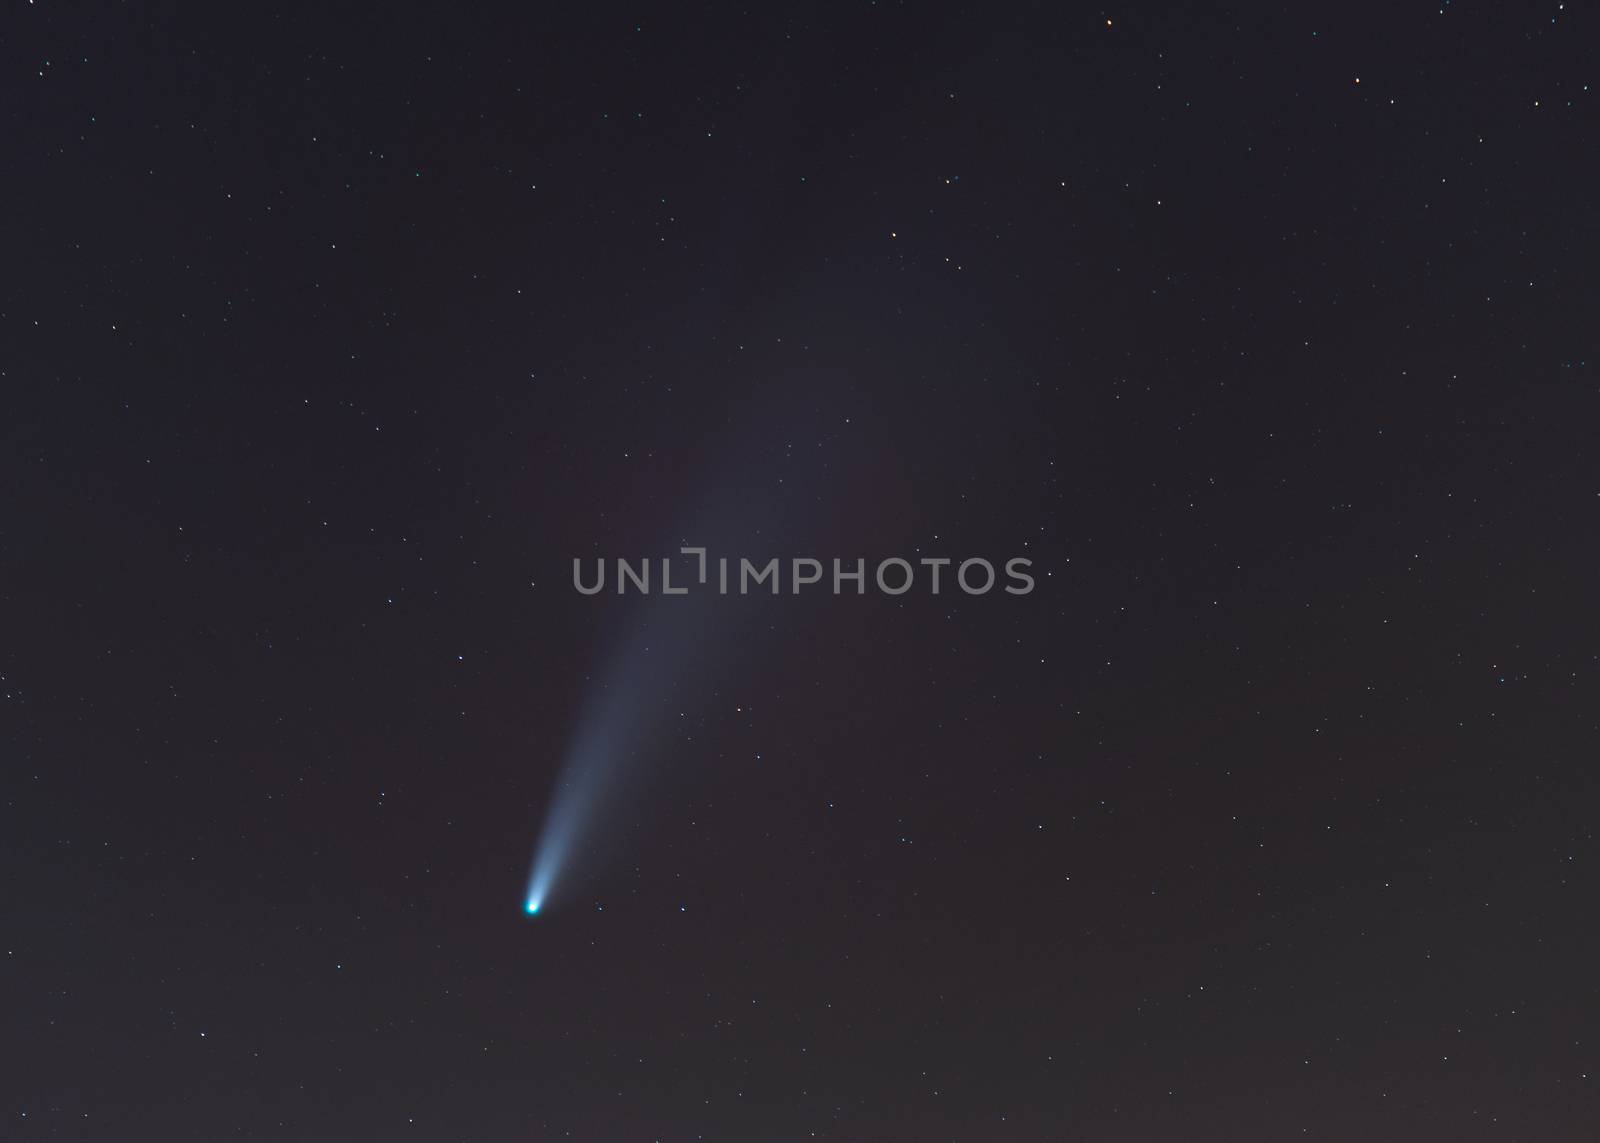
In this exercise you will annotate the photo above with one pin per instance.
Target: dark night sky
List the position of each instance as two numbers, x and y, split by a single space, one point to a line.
331 335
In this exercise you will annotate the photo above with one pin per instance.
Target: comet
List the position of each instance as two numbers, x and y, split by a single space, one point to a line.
675 652
598 770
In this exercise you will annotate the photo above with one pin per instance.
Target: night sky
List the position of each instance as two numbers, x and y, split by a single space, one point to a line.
331 335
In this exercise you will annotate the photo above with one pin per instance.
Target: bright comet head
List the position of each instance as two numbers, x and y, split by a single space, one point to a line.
532 907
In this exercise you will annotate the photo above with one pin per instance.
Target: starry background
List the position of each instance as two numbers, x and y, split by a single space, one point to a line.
330 335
